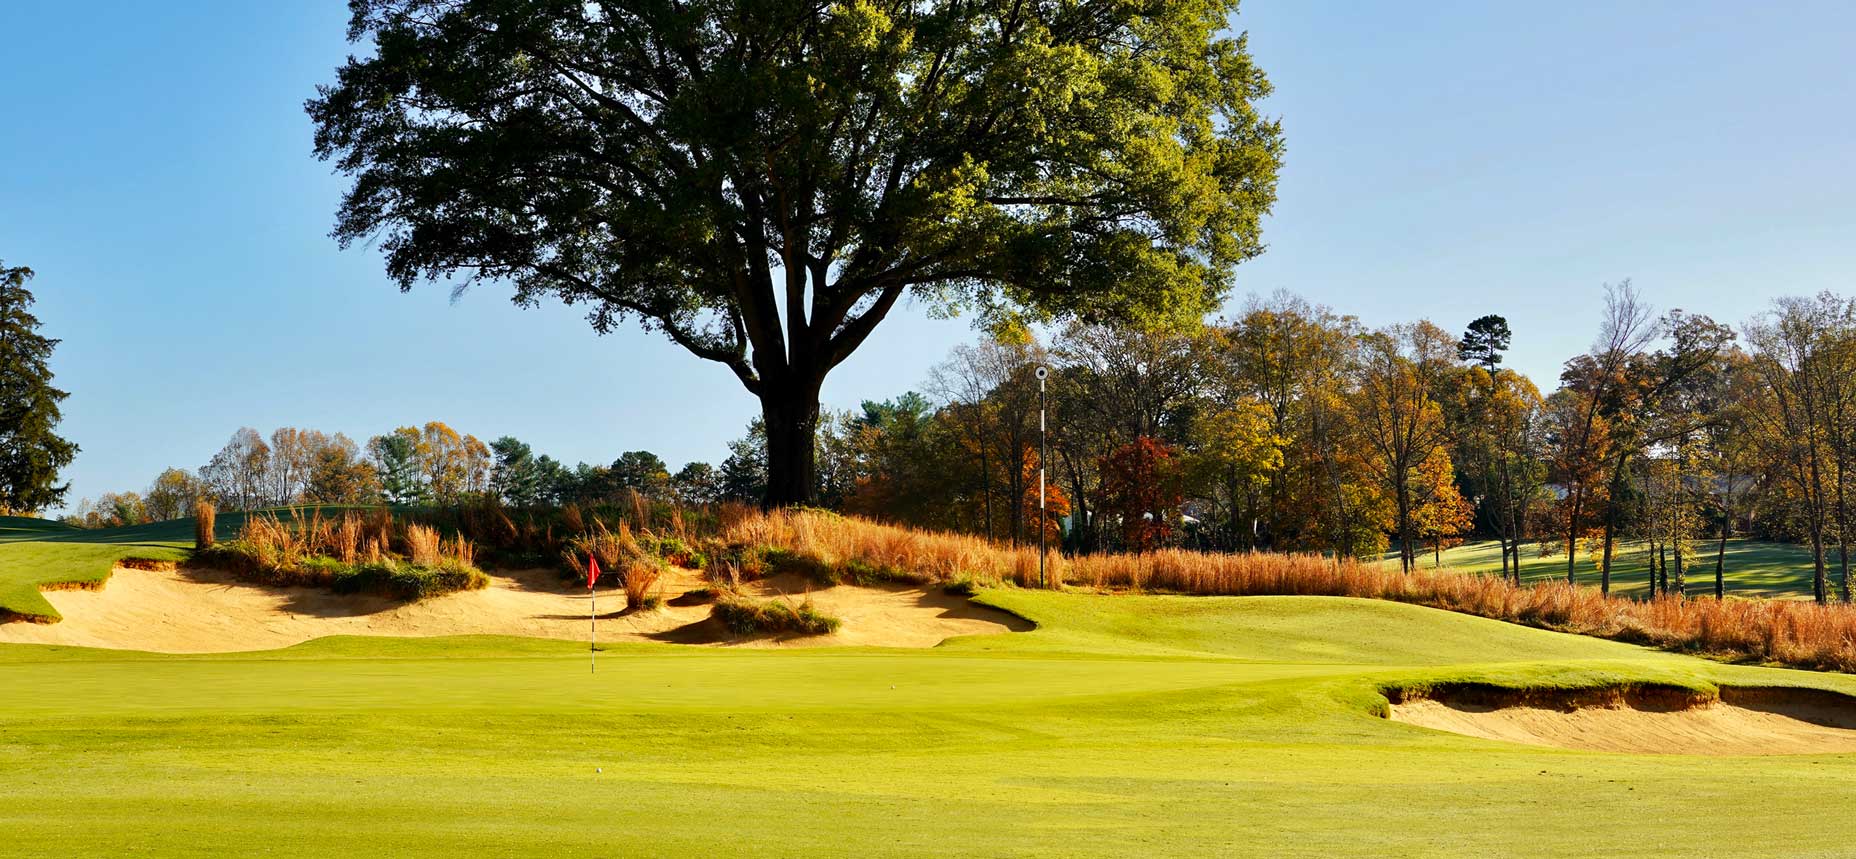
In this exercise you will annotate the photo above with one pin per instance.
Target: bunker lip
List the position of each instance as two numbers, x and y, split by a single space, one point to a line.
1638 718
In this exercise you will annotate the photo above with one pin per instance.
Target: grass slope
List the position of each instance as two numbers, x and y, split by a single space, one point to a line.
1750 567
35 553
1151 726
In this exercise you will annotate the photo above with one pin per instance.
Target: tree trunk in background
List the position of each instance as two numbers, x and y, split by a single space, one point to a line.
1680 586
1604 561
986 478
1572 535
1720 557
1843 545
1407 556
791 414
1819 584
1517 533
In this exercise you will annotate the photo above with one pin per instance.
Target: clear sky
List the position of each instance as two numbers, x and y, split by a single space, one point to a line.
1445 160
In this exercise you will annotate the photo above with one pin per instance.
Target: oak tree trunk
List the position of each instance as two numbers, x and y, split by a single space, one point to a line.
791 413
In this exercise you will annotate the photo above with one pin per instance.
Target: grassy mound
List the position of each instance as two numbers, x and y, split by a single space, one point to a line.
748 616
391 577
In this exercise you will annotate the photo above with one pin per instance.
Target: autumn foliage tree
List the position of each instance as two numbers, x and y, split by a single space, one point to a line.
1141 489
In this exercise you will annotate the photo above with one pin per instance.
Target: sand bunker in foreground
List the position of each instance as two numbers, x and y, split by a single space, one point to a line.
203 611
1746 721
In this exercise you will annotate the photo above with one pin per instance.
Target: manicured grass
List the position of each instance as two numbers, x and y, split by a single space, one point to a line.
1751 567
1123 726
35 553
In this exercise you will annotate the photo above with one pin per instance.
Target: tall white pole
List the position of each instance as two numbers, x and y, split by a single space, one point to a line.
592 628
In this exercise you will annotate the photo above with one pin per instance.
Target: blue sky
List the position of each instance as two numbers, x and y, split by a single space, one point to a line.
1445 160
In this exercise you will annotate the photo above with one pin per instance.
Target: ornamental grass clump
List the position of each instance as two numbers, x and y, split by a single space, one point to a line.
342 554
640 581
205 519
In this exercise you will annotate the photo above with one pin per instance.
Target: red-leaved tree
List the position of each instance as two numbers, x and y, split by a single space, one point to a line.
1141 485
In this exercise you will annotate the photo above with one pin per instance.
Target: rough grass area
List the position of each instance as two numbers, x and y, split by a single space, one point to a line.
1156 726
779 616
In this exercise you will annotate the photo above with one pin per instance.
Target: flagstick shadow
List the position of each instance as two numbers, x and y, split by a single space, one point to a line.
611 615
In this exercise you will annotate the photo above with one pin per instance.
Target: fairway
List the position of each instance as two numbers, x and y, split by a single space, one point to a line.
1163 726
1751 568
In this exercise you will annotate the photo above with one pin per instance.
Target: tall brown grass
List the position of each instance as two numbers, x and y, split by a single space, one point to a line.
422 545
640 583
275 542
205 517
1778 631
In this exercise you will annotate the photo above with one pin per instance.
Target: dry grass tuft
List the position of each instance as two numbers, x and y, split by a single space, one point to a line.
204 519
423 545
572 519
640 581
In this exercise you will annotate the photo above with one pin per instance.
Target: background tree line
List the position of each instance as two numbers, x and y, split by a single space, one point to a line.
1292 427
425 465
1287 426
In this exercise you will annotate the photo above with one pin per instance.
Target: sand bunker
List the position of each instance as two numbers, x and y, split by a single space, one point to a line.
1655 720
203 611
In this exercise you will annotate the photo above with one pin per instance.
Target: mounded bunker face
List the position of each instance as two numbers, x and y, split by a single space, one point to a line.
1640 719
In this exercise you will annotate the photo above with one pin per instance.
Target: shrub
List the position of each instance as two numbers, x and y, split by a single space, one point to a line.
747 616
677 552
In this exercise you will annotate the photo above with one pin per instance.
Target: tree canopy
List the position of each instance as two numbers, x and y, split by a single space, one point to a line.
763 182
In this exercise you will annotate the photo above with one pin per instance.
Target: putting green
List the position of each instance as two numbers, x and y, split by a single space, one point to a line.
1154 726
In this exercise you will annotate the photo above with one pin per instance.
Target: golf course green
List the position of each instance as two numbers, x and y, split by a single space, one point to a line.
1122 726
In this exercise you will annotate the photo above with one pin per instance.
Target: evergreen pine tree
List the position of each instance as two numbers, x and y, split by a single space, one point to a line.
31 454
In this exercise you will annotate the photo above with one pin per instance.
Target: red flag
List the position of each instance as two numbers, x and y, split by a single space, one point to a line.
592 571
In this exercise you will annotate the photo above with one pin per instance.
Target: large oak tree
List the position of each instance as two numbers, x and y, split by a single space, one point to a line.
762 182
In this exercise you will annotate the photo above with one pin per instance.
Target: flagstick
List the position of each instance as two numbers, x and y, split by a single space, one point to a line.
592 629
